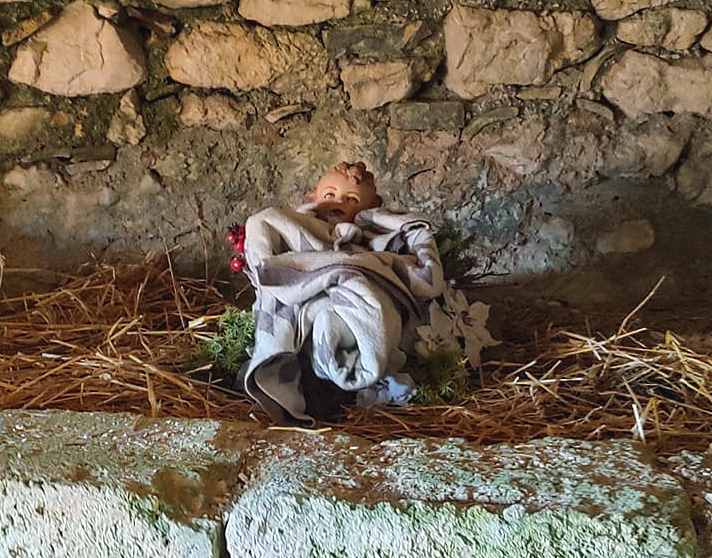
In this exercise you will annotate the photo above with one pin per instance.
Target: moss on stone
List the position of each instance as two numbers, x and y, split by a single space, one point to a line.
162 120
287 525
11 14
88 119
448 498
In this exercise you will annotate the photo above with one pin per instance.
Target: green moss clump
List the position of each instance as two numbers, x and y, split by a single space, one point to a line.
441 377
228 349
453 246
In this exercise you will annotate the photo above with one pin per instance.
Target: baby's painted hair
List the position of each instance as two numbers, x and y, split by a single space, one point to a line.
356 173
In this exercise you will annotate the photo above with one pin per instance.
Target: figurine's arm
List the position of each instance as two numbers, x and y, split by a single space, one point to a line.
308 208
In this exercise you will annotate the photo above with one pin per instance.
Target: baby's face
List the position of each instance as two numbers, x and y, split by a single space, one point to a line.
340 199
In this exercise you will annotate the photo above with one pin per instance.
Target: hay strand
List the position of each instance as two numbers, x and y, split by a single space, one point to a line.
123 338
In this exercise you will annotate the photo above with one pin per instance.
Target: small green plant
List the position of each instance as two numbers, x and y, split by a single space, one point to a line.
442 377
236 333
453 245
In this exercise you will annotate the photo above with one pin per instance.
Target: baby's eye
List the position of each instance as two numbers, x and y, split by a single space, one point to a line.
352 200
329 196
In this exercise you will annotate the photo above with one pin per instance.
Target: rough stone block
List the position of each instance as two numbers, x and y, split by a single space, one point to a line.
105 485
377 40
695 471
181 4
218 112
95 484
291 12
706 41
448 115
418 498
549 93
492 47
617 9
99 58
127 126
481 121
683 85
422 158
671 28
596 108
379 83
694 175
204 56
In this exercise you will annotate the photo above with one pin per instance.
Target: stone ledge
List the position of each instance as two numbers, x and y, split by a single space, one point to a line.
695 472
95 484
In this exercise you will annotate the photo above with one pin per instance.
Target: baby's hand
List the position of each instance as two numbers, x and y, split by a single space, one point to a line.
345 233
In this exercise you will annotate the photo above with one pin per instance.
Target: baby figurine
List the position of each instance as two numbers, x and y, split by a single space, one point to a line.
342 192
336 199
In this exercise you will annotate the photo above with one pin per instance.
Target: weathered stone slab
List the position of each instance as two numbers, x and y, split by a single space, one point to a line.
590 144
423 498
74 169
649 148
670 28
548 93
706 41
490 47
205 56
518 146
679 86
127 126
375 40
180 4
618 9
694 176
446 115
218 112
119 484
100 58
593 66
286 111
379 83
481 121
294 12
695 471
596 108
422 158
110 484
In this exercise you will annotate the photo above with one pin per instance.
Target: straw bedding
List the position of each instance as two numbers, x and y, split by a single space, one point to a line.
124 338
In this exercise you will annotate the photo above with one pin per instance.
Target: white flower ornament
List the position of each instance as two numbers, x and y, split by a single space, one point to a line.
470 323
438 335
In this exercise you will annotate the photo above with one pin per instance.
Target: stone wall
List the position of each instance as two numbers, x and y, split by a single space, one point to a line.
559 135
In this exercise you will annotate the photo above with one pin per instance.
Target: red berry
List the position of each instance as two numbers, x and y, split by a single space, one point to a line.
240 246
241 232
237 264
231 237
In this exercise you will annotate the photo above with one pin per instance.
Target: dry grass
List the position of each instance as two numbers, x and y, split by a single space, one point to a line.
115 339
123 338
580 386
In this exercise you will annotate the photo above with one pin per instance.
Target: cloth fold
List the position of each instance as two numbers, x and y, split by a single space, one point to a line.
352 290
